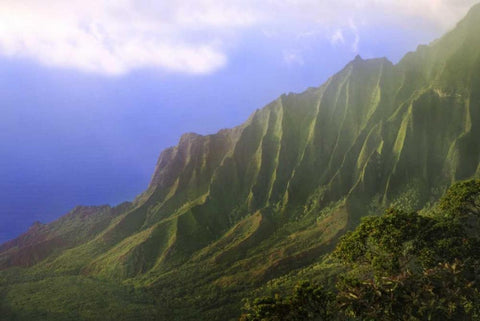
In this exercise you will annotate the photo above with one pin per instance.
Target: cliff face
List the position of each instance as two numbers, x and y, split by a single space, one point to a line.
256 201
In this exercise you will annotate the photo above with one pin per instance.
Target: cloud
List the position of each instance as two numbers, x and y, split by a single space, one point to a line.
114 37
337 37
190 36
441 14
292 58
356 36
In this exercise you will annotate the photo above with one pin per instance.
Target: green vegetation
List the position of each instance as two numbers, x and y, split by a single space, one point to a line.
308 302
398 266
253 210
75 298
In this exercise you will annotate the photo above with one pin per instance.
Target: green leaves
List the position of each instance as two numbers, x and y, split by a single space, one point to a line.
461 199
385 242
445 292
402 267
308 302
411 267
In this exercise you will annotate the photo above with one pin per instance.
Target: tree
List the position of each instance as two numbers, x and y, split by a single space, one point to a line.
387 243
446 292
461 198
308 302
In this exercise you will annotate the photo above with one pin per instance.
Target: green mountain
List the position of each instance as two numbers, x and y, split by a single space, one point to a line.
228 213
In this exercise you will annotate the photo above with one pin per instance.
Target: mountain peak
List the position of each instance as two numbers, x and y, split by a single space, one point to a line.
359 61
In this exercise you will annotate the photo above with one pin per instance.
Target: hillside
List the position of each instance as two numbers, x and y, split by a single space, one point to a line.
226 213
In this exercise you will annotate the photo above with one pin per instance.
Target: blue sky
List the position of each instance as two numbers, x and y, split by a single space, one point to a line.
93 91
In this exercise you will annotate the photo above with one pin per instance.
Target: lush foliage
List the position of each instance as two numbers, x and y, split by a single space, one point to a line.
461 199
397 241
401 266
308 302
446 292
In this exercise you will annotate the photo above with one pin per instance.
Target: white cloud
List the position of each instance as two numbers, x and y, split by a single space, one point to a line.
356 36
442 14
351 37
114 37
337 37
292 58
190 36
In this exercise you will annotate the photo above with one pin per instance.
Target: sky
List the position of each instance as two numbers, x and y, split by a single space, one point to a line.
92 91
